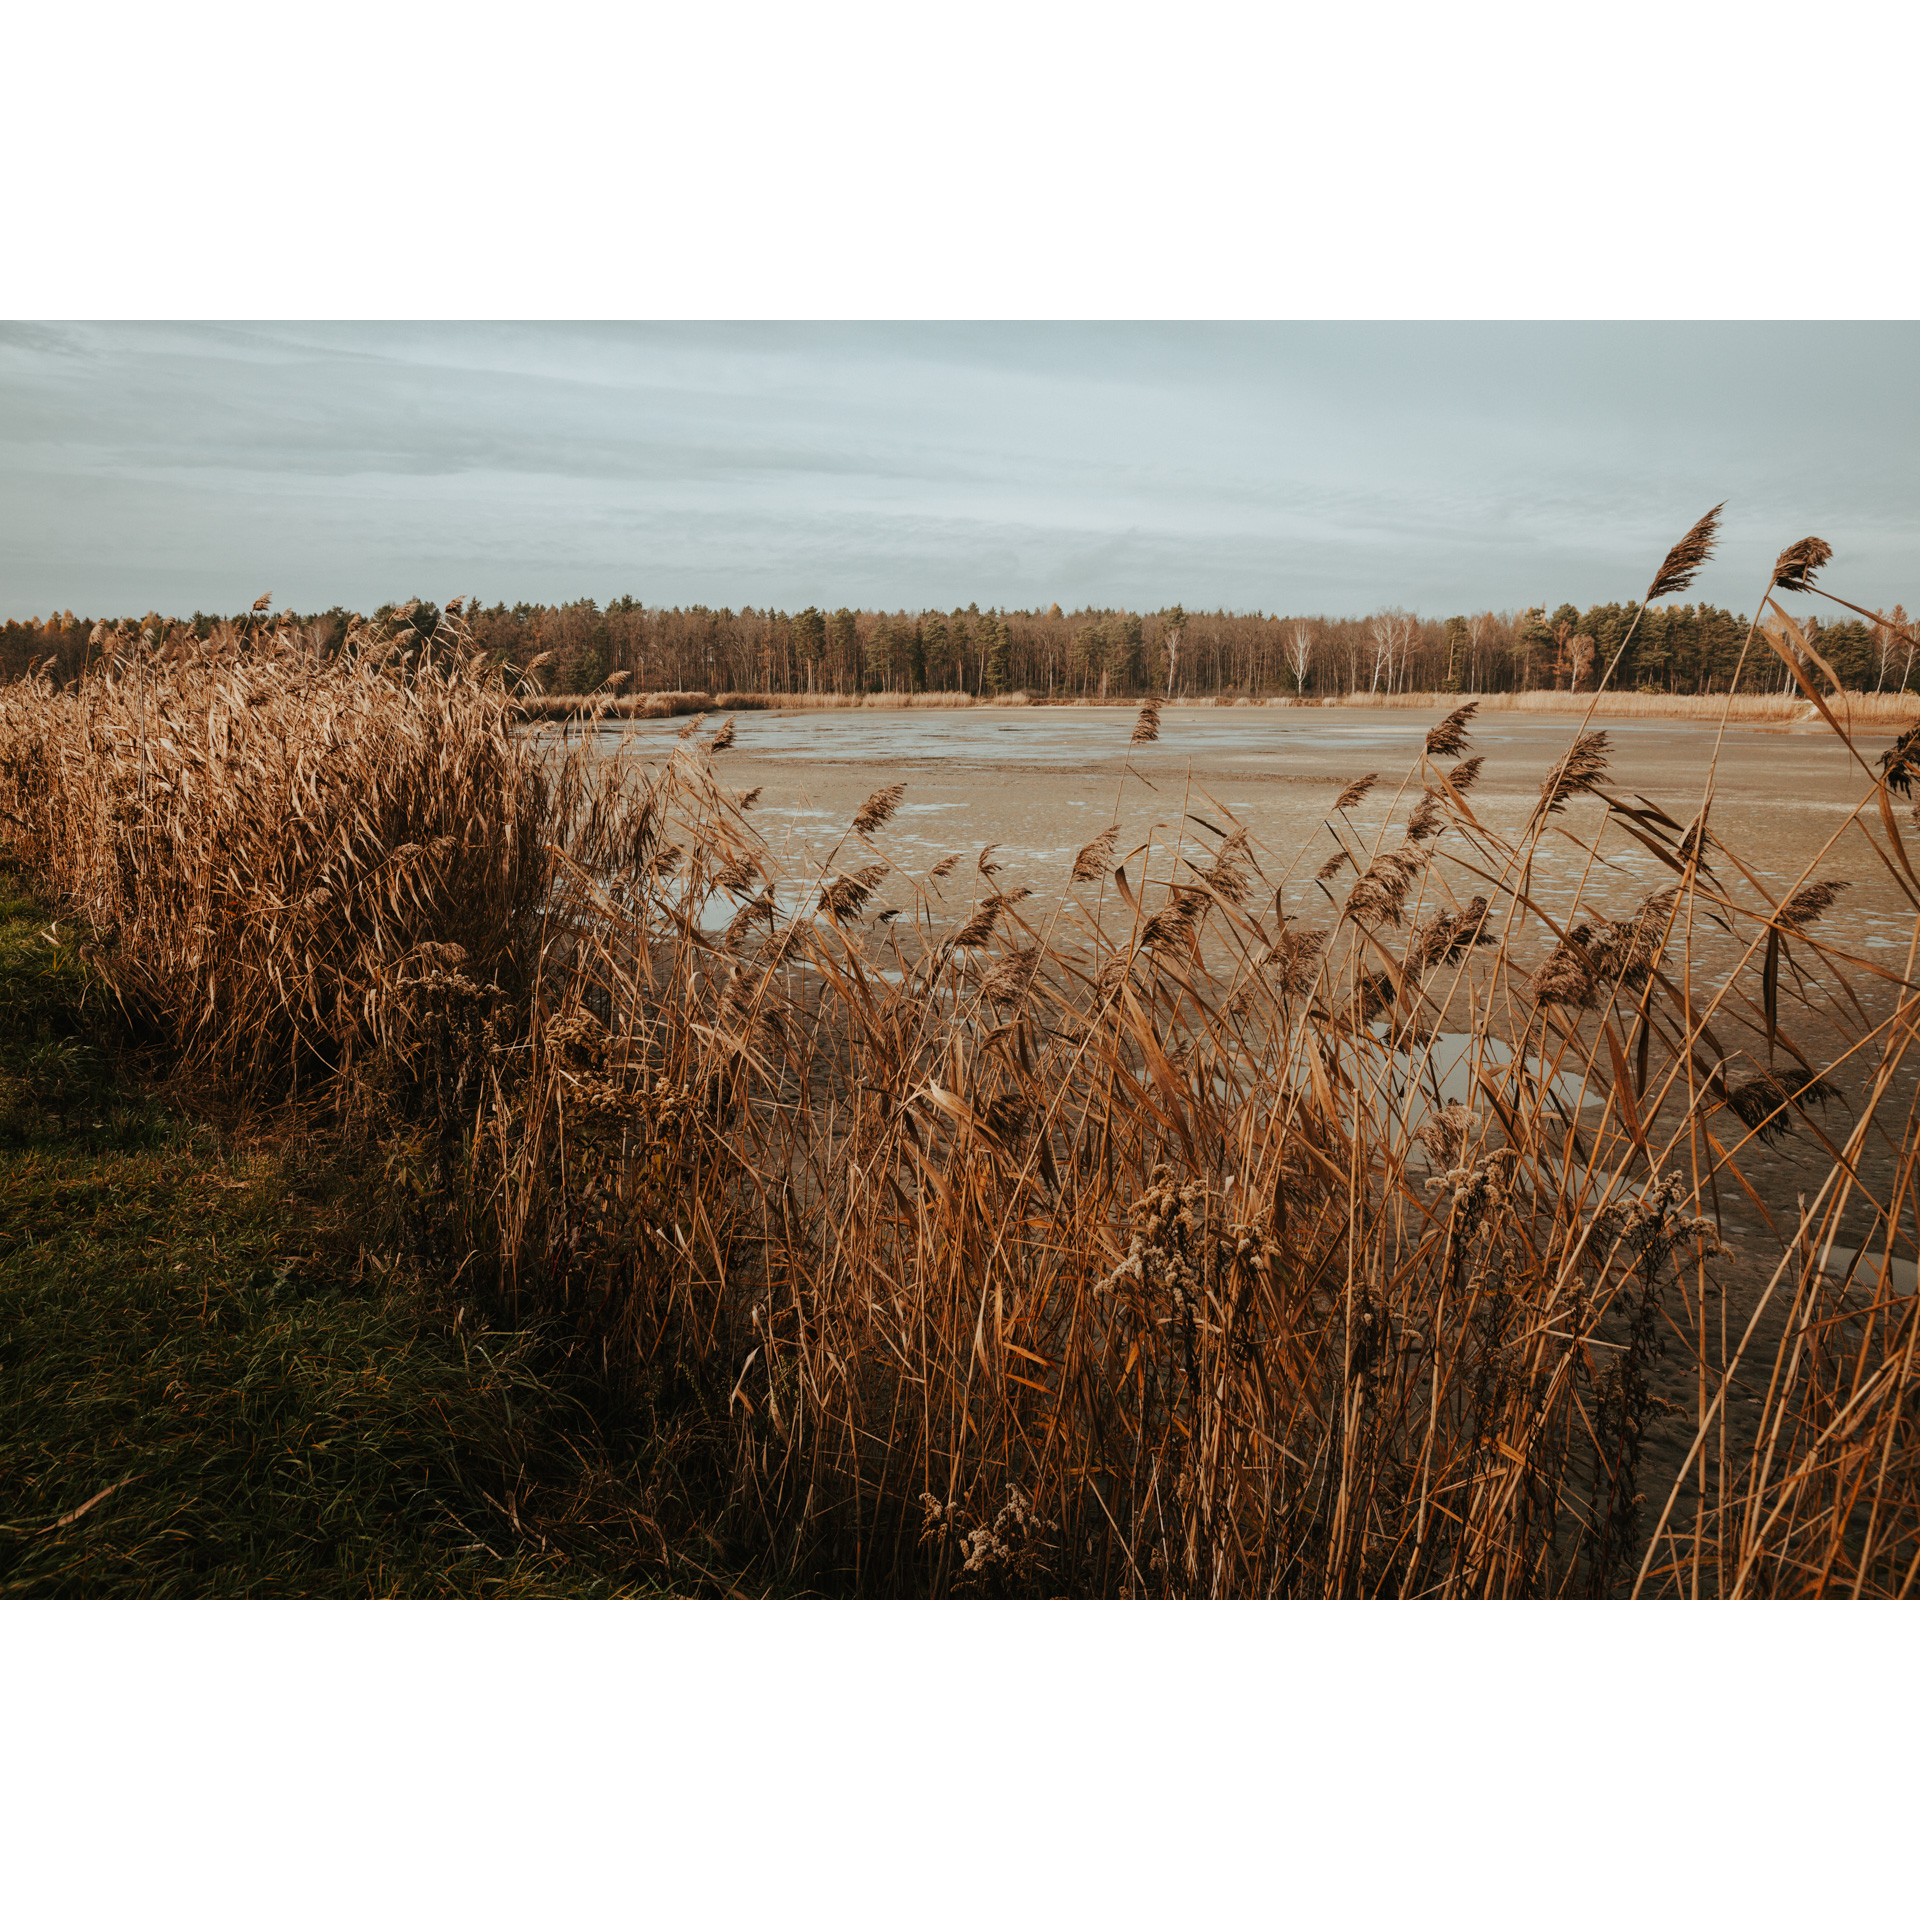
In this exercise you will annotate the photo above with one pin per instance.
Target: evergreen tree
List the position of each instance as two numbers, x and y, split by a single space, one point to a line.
844 646
936 652
810 639
997 641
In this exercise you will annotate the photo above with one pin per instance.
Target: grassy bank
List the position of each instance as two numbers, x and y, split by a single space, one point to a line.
222 1372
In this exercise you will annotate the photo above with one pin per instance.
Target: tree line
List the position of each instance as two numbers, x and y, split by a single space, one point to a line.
1092 652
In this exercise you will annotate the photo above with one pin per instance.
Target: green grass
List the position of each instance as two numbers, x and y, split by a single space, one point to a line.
219 1353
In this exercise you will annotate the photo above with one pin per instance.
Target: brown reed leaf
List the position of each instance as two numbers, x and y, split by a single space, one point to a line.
1090 863
1581 769
1352 794
1687 556
1446 740
1146 728
1797 565
877 809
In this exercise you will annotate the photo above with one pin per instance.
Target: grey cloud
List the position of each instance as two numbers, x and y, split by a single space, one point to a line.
1299 468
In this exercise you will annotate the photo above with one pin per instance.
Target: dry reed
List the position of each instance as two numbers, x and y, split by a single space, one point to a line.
1162 1263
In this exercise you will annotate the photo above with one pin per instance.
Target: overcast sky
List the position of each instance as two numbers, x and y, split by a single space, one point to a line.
1299 468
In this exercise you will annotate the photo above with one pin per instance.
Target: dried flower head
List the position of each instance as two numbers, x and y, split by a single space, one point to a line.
1901 762
1687 556
1353 794
1090 863
1147 727
1426 819
722 740
1581 769
979 930
748 798
1331 865
987 864
1797 565
1171 929
877 809
1448 938
1808 903
1006 982
941 868
1466 773
1765 1101
1381 892
1294 959
1445 741
844 898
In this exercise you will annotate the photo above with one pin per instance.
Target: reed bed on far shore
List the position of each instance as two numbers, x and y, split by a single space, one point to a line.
1887 710
1210 1219
668 706
1867 711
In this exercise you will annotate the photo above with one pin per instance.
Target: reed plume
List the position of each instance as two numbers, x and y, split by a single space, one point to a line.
1010 977
1147 727
1449 738
1797 565
845 897
1090 863
1354 792
1581 769
1687 556
877 809
1806 904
